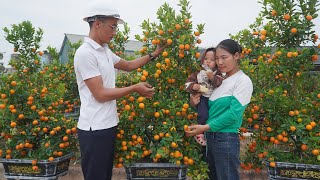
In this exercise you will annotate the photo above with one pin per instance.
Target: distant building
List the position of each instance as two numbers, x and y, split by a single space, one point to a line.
46 57
14 56
130 47
65 47
9 70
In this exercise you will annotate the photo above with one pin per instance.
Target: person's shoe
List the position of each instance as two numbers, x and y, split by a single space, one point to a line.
200 139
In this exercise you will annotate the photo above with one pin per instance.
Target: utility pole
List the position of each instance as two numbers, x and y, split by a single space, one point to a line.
1 55
2 68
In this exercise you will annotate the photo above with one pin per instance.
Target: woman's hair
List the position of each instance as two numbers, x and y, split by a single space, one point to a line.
230 45
205 52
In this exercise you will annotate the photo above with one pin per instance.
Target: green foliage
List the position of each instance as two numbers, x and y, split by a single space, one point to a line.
284 111
25 40
53 53
32 102
117 44
67 76
72 51
153 130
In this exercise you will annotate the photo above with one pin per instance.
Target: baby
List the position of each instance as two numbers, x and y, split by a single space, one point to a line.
204 82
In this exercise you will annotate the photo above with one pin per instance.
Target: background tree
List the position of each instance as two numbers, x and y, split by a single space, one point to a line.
117 44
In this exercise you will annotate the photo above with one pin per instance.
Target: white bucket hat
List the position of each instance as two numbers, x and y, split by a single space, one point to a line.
102 9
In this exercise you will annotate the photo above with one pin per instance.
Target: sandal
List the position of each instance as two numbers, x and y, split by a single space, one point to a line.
200 139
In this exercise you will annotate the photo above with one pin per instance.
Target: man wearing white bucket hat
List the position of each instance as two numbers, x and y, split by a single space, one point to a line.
95 67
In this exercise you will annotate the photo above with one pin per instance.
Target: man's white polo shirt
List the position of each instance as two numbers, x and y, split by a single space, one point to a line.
93 60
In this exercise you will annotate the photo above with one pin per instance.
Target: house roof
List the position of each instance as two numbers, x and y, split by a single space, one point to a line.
74 38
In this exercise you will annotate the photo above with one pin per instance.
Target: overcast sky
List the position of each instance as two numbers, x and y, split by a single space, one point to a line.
57 17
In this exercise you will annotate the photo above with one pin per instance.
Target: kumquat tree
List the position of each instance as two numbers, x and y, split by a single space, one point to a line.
117 44
67 77
153 130
33 102
284 114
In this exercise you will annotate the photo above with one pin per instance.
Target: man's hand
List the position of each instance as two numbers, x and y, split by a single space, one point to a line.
195 99
197 129
159 50
144 89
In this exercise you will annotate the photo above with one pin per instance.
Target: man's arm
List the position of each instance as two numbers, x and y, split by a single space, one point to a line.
102 94
139 62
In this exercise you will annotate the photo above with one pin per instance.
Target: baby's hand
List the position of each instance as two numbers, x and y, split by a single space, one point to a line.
211 74
196 87
220 77
203 89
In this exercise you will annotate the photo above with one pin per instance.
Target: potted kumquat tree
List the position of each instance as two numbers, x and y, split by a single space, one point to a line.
284 115
37 140
151 141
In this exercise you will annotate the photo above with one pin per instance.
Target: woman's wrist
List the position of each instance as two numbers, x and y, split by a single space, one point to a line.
206 127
